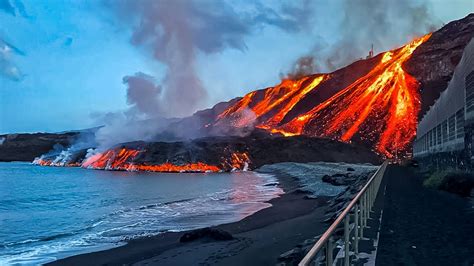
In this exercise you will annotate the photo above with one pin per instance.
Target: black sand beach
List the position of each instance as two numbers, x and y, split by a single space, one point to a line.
258 239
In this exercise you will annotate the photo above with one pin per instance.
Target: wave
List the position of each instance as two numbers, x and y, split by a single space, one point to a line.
229 204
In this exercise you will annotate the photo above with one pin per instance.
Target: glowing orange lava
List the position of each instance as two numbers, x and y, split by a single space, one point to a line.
42 162
168 167
270 108
125 159
46 162
380 108
239 160
111 159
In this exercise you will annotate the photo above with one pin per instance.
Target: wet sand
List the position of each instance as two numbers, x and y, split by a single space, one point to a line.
258 239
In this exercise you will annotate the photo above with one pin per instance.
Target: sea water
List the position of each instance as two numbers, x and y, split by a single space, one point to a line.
47 213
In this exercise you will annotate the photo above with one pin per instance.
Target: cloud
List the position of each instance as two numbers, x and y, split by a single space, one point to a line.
8 68
68 41
7 7
13 7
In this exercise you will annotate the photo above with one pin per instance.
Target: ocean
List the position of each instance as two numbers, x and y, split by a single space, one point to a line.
47 213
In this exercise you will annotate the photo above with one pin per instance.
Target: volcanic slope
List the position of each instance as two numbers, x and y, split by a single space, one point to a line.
376 101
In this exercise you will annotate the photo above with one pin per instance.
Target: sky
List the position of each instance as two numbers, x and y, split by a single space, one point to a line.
69 64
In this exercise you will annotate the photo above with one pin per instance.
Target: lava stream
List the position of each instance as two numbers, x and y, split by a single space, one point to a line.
126 159
380 108
270 109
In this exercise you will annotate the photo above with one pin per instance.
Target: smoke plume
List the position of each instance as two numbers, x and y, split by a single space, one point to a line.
384 23
303 66
174 32
143 93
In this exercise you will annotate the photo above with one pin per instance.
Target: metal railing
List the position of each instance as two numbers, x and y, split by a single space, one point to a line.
322 253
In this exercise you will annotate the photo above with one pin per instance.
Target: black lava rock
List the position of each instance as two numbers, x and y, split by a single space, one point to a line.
212 233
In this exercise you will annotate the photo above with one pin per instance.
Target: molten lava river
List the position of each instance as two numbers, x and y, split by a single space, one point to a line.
125 159
380 108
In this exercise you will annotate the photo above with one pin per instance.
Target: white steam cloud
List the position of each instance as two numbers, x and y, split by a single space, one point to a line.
173 33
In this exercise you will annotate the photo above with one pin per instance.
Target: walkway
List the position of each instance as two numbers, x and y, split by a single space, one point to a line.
422 226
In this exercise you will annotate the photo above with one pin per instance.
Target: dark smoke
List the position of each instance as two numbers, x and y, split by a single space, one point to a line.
304 66
384 23
143 94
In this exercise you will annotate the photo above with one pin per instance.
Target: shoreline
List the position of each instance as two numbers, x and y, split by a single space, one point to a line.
258 238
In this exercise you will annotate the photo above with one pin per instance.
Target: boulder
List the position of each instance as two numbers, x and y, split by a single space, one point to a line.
212 233
339 179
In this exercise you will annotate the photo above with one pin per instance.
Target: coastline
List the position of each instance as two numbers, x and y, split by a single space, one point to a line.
258 239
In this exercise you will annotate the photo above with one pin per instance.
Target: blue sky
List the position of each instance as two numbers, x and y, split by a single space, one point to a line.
70 58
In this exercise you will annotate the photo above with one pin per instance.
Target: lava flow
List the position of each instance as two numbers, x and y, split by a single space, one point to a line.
380 108
270 109
168 167
237 161
123 160
111 160
46 162
126 159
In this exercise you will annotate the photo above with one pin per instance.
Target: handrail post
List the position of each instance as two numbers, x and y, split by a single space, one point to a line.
346 240
368 199
356 229
372 196
376 189
329 251
362 217
372 192
365 210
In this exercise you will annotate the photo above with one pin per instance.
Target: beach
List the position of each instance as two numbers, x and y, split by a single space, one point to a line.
294 218
259 238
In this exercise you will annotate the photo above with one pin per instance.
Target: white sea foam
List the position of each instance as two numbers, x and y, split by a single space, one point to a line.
239 194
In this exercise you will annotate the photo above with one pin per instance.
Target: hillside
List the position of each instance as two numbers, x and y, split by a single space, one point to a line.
375 101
